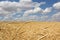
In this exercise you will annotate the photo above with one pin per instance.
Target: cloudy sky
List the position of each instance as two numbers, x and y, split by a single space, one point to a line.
30 10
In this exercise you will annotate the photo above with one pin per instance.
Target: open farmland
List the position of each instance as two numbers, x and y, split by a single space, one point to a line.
29 30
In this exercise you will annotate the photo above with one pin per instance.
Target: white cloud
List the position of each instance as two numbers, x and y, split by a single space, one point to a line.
33 11
34 18
25 0
29 18
44 18
47 10
56 17
57 5
38 10
7 8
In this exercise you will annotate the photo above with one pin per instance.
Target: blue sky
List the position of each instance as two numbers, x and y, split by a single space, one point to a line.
26 10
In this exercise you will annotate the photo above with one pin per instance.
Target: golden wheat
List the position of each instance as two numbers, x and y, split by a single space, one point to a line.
29 30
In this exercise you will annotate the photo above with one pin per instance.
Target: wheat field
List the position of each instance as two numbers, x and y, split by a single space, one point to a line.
29 30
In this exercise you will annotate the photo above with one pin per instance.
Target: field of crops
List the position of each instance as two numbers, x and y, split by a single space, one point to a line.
29 30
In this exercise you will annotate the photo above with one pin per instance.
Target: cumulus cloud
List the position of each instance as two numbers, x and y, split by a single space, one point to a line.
57 5
33 18
37 10
32 11
8 8
20 11
47 10
25 0
56 17
29 18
